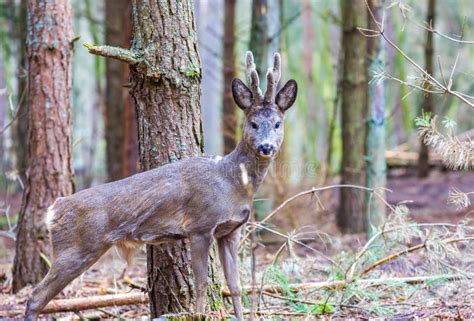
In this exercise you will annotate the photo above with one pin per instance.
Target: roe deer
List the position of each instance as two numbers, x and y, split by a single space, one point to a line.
200 198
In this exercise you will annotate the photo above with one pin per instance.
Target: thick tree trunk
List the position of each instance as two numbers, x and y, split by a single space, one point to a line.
376 162
229 116
354 110
427 105
166 93
50 172
120 126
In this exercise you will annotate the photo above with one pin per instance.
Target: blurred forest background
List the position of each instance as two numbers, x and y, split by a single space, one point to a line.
361 111
308 35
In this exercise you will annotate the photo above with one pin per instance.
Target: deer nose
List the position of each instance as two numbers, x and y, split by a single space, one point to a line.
266 148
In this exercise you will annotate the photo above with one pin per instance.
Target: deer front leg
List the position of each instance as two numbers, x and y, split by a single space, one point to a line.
200 246
228 246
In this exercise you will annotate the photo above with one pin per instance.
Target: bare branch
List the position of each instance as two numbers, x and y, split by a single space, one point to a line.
445 89
429 28
125 55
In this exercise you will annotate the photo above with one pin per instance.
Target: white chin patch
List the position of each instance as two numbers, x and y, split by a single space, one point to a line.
217 159
50 215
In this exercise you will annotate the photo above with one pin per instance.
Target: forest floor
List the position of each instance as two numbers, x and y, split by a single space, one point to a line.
309 248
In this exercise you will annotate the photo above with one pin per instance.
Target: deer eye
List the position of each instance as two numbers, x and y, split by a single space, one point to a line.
277 125
254 125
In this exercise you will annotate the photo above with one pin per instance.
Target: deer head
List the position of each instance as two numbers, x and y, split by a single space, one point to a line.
264 114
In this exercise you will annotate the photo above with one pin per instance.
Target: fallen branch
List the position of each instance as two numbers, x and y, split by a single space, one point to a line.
350 273
414 248
339 284
94 302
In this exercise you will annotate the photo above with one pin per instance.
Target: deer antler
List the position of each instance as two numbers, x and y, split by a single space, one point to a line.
252 78
273 77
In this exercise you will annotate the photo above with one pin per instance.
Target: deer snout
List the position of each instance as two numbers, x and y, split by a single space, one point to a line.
266 149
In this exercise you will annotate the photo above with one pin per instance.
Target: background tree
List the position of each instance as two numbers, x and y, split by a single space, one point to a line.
50 173
165 85
376 163
120 121
354 111
20 126
229 116
210 19
427 104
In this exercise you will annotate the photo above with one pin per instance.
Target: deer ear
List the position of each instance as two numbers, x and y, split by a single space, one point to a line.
287 95
242 95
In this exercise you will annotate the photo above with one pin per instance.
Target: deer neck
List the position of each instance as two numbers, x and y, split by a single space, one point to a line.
255 167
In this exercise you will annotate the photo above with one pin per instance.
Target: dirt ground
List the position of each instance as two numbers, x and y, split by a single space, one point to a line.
425 198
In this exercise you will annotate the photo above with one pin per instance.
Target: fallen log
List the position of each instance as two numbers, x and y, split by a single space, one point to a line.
94 302
398 158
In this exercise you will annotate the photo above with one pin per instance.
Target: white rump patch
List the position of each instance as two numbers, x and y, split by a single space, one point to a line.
217 159
50 215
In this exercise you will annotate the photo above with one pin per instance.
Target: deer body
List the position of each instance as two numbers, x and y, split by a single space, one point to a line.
201 199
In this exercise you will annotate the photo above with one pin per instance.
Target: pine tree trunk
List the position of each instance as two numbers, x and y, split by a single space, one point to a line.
229 116
427 105
376 162
50 172
120 126
166 92
354 111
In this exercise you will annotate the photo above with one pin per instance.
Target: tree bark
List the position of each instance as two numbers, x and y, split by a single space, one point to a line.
120 125
376 161
354 110
50 172
166 92
427 105
229 116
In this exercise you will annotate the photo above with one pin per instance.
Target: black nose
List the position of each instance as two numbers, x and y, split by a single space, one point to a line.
266 149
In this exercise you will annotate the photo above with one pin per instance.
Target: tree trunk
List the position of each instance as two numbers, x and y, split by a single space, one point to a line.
20 126
206 13
376 162
120 125
259 37
3 107
50 172
264 42
229 116
427 105
354 110
166 93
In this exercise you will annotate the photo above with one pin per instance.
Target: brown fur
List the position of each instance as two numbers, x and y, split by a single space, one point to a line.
201 198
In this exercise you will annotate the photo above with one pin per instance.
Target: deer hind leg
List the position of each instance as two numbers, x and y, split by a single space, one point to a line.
68 265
